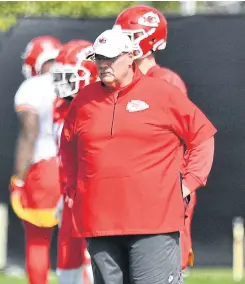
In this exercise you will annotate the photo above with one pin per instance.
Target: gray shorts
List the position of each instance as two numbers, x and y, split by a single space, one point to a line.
143 259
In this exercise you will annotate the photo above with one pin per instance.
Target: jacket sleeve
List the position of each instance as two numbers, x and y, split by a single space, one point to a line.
199 162
68 149
194 128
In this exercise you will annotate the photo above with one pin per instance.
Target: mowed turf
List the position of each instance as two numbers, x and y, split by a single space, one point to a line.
210 276
197 276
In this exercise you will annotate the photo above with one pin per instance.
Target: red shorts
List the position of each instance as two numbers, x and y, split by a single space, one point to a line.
42 188
37 202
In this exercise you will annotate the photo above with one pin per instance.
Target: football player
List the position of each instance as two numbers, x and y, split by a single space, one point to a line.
71 72
35 182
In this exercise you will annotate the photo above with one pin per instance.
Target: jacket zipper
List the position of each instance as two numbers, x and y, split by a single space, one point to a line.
115 96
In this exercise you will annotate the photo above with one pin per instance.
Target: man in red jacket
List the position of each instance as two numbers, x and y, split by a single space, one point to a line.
118 148
148 30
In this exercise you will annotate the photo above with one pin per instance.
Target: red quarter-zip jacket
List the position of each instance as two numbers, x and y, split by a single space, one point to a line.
119 148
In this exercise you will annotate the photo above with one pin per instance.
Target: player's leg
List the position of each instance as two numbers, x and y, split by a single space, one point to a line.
37 253
87 274
69 261
187 254
186 239
86 265
69 266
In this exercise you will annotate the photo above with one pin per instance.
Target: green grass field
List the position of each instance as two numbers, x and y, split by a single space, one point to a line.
197 276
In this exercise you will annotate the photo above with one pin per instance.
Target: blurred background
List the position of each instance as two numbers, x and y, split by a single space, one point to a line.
206 47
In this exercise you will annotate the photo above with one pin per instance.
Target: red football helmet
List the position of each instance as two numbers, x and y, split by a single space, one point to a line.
146 27
72 71
38 51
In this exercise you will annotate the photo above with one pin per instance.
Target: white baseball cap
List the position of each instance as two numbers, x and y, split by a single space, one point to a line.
112 43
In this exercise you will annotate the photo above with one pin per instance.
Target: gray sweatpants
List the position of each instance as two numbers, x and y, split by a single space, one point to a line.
143 259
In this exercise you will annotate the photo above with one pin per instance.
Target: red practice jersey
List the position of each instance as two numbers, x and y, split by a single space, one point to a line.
169 76
61 107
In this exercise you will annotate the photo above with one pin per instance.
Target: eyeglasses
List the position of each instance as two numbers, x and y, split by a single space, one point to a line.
99 57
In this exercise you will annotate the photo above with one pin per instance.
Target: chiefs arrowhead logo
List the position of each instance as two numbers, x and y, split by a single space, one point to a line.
149 19
102 40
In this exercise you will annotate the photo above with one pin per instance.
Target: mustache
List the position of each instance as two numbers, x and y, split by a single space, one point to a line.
102 72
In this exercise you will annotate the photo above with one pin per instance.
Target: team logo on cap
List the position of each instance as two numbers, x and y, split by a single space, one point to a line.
102 40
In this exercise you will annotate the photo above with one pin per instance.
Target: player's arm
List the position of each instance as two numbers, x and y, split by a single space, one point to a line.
68 153
194 128
26 103
28 132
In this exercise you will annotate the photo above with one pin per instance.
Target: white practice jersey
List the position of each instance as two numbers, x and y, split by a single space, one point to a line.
37 94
